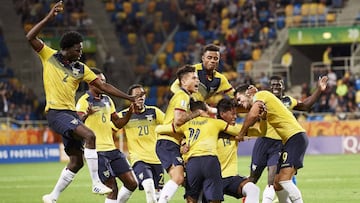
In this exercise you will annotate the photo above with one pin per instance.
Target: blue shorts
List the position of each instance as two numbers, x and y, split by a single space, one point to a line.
154 171
112 164
204 174
293 151
266 152
169 153
64 122
231 185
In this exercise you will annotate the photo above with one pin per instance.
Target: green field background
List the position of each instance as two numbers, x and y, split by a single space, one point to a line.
324 179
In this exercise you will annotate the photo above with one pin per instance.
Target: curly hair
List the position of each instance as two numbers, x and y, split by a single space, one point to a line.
69 39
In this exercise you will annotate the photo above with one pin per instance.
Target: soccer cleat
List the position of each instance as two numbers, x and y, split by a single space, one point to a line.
99 188
48 199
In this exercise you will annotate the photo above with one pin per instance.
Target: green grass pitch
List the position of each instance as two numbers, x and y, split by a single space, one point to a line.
324 179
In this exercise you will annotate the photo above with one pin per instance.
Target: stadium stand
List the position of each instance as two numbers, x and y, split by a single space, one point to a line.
163 35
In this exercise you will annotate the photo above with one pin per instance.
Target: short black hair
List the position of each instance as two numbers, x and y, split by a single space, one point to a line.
69 39
197 105
241 88
184 70
224 105
133 87
275 77
211 47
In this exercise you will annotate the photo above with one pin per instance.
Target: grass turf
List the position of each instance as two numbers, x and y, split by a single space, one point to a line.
324 179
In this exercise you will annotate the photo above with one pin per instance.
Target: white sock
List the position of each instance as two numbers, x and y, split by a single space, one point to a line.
149 190
157 194
268 194
66 177
293 191
283 196
107 200
251 192
200 199
123 195
168 191
92 162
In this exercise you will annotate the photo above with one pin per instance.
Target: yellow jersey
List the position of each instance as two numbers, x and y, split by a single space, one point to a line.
201 135
227 148
62 80
100 121
208 87
289 103
179 101
278 116
140 134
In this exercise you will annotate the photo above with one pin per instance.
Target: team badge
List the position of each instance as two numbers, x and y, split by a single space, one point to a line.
141 176
179 159
74 121
75 71
253 167
150 117
106 173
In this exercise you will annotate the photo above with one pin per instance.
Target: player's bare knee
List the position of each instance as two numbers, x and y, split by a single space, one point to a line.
132 185
75 166
277 186
178 179
90 139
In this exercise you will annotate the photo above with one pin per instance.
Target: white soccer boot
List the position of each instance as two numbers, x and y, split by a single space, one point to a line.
100 188
48 199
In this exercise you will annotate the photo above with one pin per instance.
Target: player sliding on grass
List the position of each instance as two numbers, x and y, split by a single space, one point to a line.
62 73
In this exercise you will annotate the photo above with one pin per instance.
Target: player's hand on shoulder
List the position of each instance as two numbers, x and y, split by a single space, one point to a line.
91 110
184 148
262 110
251 90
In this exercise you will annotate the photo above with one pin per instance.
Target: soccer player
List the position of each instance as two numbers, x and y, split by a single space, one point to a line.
201 135
212 82
293 136
266 149
233 184
168 144
62 73
141 139
97 111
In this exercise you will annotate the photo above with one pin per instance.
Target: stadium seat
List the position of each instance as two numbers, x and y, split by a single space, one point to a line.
110 6
313 9
330 17
305 9
161 91
132 38
169 48
297 9
289 9
161 60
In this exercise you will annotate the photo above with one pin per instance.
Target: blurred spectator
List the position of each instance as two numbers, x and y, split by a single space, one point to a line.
342 88
333 102
332 79
327 57
287 60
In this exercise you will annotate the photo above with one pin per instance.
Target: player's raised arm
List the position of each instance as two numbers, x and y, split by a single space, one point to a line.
111 90
31 36
309 101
